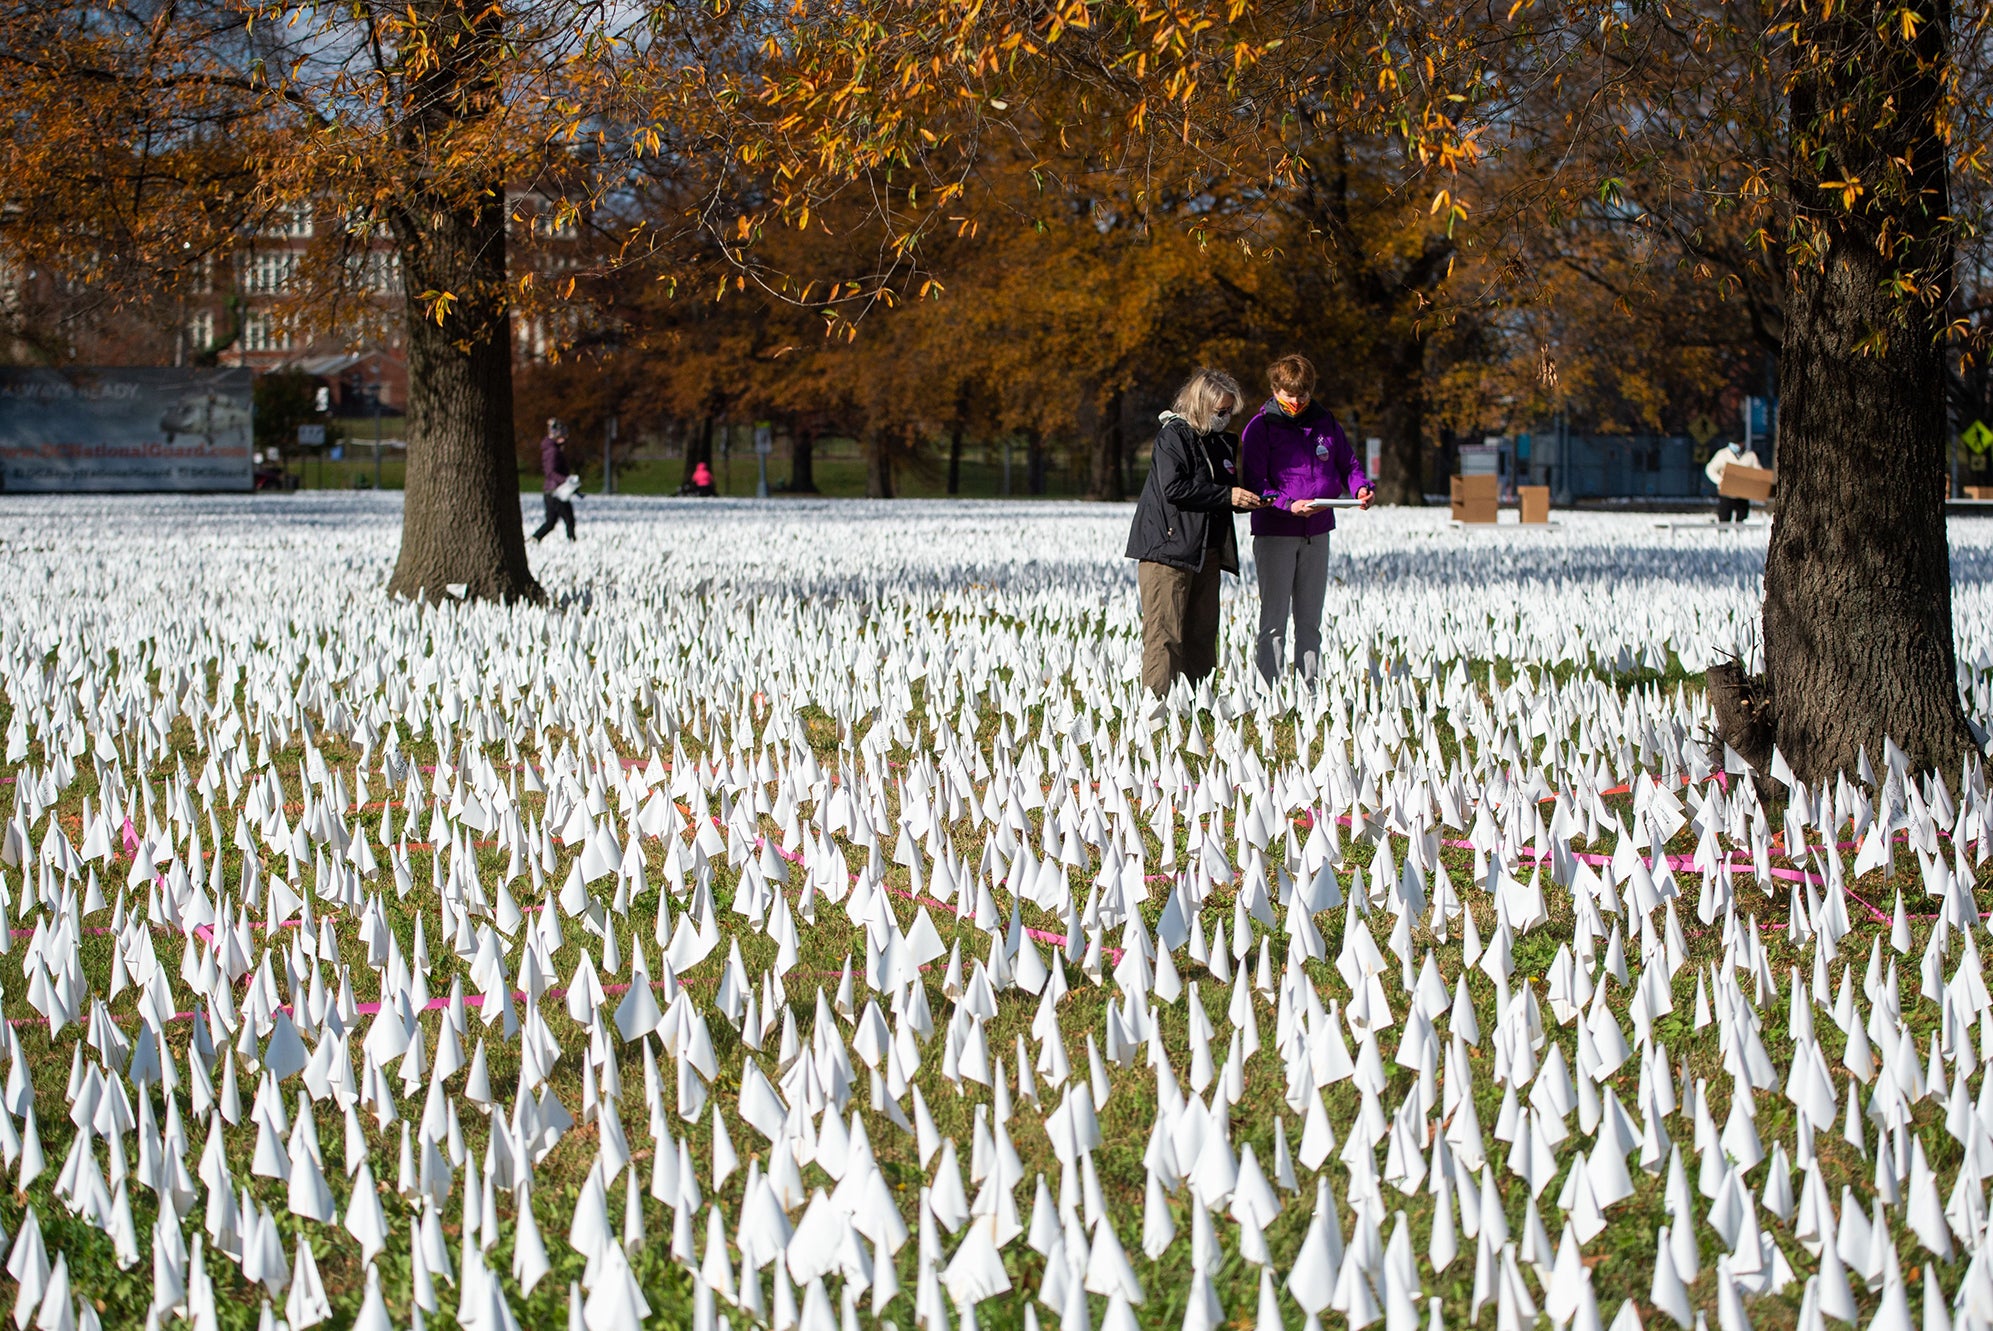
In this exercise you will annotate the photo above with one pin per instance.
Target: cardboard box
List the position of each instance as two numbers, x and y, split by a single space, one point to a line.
1473 498
1535 503
1741 482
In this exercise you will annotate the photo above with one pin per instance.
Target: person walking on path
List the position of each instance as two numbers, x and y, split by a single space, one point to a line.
1182 531
1724 458
553 477
1292 453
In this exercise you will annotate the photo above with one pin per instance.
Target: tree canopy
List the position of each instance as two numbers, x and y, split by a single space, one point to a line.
1032 209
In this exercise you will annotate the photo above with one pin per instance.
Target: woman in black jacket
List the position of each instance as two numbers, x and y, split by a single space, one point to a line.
1182 532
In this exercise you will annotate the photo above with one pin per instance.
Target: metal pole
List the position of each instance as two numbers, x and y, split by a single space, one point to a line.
377 430
608 461
1006 466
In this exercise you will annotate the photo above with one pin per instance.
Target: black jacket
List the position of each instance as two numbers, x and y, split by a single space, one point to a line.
1186 492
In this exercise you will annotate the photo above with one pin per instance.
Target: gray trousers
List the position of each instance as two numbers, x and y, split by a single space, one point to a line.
1293 580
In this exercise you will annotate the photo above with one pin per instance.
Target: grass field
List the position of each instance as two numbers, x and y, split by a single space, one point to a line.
838 472
924 679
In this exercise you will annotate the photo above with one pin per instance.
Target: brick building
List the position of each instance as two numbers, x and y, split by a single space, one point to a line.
244 309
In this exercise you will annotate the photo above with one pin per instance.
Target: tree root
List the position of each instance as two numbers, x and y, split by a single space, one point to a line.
1745 717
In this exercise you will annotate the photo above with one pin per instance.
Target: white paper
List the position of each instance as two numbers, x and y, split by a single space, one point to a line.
1317 504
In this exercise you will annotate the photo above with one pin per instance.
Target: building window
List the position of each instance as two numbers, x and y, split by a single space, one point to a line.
294 223
268 274
555 224
201 330
261 332
380 273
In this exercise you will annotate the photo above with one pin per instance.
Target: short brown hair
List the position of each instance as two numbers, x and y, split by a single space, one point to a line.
1293 374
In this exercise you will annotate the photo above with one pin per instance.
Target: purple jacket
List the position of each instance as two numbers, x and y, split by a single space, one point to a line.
553 464
1297 457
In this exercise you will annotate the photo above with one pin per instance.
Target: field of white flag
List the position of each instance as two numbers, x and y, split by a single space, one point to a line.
805 919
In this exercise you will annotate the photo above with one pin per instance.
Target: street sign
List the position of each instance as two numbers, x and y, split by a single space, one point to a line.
311 436
1977 437
1702 429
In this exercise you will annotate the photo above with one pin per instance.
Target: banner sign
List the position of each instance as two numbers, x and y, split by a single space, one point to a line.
126 429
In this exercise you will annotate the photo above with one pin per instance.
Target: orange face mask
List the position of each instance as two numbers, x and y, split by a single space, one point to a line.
1291 405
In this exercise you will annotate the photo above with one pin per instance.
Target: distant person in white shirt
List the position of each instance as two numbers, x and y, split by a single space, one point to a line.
1731 454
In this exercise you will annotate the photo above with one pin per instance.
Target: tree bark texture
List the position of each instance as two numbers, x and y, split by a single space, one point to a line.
698 447
1857 612
878 464
461 521
803 459
957 428
1401 459
1395 291
461 508
1104 479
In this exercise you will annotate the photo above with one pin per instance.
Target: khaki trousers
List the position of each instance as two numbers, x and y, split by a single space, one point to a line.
1179 622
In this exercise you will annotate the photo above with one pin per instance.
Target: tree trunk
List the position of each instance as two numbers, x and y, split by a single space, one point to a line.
1401 461
1857 613
698 447
803 459
957 427
1034 464
461 508
878 464
1104 479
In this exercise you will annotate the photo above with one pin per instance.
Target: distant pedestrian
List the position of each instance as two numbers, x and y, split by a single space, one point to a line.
702 480
1293 453
1730 455
1182 532
554 474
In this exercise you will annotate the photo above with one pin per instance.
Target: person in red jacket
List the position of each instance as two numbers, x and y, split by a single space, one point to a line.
1293 453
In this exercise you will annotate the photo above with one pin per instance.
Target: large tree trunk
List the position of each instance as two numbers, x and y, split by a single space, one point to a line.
1104 477
1035 462
957 427
803 459
461 508
698 447
1857 614
1401 461
878 464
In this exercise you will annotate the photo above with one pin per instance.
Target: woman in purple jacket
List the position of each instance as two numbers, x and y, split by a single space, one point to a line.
1293 453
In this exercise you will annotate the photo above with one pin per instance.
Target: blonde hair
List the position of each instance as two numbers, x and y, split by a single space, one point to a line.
1197 401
